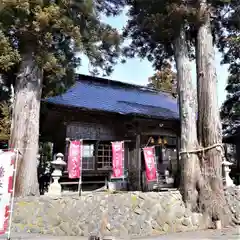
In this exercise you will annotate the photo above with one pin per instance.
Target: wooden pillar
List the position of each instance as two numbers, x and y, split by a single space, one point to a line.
59 144
134 165
178 155
139 161
137 164
96 145
178 174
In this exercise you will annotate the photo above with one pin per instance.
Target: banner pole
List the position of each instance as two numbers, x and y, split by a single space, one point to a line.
13 195
80 177
67 151
156 165
123 148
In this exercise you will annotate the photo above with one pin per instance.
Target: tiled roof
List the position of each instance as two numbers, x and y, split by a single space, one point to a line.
112 96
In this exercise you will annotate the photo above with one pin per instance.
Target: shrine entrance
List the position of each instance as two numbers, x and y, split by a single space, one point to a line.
166 157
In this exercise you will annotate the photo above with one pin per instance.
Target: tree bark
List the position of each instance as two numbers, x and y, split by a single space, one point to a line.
190 169
212 199
25 120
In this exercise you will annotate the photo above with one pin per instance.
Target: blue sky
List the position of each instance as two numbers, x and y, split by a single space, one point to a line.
137 71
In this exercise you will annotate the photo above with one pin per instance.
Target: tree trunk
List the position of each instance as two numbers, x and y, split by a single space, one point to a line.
212 198
190 169
25 129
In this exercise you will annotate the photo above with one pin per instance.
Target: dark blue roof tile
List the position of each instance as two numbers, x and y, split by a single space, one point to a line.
116 97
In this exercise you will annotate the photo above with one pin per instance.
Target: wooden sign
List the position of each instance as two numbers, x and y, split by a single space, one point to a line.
90 131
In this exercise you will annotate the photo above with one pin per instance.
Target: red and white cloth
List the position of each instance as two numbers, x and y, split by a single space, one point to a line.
117 159
150 163
75 159
7 161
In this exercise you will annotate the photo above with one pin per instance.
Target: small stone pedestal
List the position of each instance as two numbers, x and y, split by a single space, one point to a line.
55 188
226 170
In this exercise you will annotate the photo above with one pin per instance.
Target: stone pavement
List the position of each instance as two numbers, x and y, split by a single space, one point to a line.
226 234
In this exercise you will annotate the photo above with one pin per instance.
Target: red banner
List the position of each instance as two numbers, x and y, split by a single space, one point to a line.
74 159
118 159
151 170
7 161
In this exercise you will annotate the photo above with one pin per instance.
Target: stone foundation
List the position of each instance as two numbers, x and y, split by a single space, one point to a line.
233 199
121 214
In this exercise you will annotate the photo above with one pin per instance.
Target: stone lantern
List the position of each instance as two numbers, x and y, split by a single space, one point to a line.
58 164
226 170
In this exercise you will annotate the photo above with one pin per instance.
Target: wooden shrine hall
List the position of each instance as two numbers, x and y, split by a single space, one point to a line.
100 111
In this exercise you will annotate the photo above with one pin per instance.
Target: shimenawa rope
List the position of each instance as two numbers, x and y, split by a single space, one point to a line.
216 145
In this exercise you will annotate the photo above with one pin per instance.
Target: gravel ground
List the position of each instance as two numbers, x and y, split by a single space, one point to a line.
226 234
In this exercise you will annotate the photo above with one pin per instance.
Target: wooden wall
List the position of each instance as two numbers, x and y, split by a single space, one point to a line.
89 125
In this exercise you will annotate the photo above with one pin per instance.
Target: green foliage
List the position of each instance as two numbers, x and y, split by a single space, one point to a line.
229 44
164 79
54 31
154 25
230 111
5 122
8 55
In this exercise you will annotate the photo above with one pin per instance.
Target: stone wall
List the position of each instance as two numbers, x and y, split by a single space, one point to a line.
233 199
121 214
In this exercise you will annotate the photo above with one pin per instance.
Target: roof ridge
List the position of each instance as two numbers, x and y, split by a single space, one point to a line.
84 77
